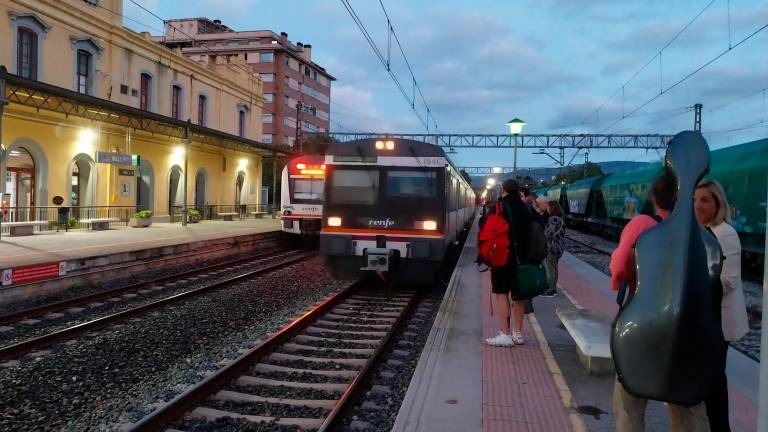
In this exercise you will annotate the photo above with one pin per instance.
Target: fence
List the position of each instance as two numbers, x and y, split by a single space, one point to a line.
215 211
64 218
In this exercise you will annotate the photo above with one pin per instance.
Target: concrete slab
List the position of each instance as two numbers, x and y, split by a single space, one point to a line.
30 321
4 329
75 310
54 315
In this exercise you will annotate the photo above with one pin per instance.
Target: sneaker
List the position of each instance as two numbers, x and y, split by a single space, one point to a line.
549 293
501 339
517 337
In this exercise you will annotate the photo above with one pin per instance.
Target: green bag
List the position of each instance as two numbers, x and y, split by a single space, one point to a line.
530 281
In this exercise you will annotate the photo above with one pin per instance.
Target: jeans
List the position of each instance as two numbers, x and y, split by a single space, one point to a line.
550 266
629 413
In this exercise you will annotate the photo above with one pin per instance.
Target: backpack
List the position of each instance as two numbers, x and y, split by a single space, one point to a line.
493 239
537 247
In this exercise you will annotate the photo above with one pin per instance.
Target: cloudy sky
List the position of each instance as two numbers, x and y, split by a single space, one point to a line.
552 63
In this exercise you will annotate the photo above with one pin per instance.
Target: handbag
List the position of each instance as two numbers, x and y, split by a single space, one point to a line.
530 279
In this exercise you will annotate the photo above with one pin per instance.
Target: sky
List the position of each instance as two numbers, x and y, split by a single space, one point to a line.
563 66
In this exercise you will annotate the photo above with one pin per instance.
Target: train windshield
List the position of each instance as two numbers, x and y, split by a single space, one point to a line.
354 187
411 184
307 190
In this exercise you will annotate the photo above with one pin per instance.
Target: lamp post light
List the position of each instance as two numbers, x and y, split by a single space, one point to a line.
515 128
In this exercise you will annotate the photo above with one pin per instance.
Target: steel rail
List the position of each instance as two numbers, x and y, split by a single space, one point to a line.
15 350
77 301
183 402
595 248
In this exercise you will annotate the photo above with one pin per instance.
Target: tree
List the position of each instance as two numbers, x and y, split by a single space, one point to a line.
572 174
466 176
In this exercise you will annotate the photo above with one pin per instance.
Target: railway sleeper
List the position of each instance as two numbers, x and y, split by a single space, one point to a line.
211 415
347 317
308 338
362 325
292 347
346 361
226 395
314 329
267 368
339 311
255 381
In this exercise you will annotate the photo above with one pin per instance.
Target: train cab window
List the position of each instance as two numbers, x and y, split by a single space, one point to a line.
454 197
411 184
308 190
354 187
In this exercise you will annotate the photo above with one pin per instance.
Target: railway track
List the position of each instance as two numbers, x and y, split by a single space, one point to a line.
19 348
590 246
305 376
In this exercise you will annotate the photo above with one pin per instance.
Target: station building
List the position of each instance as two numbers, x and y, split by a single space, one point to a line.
108 119
297 91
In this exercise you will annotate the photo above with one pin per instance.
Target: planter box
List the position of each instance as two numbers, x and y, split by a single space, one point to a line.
143 222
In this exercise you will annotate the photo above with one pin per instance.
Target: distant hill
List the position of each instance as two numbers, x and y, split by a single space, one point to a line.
546 174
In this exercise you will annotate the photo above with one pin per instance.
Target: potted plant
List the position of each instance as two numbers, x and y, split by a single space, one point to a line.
143 218
193 216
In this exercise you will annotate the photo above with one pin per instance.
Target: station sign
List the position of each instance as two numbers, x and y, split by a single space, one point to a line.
126 172
114 158
33 273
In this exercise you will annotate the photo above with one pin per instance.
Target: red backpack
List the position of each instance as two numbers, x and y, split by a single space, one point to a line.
493 239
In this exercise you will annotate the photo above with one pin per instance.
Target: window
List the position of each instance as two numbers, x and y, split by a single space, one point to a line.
354 187
289 121
267 57
267 77
84 59
241 123
270 97
307 71
267 118
454 196
175 101
411 184
144 95
26 54
202 107
305 190
266 138
309 127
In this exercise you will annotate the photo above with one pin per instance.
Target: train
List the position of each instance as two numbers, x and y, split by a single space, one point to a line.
393 207
604 204
301 196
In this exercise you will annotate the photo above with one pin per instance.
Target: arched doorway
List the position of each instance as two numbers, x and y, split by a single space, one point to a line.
82 181
18 201
239 197
175 192
200 183
144 192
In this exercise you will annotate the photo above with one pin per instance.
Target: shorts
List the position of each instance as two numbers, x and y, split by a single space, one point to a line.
503 280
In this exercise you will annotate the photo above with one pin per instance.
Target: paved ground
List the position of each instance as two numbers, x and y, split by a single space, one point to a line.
47 247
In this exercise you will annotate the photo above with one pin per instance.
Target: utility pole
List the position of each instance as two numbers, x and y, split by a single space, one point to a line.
186 160
299 105
697 117
275 206
3 103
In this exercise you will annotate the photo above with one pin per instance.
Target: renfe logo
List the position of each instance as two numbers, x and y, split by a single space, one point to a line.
381 223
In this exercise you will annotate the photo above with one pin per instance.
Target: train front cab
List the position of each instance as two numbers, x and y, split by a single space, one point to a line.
301 198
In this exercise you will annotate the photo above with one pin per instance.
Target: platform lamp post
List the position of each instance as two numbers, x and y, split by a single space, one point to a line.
186 176
515 128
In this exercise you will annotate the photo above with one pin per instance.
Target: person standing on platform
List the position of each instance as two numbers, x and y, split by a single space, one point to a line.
503 279
555 233
712 211
628 410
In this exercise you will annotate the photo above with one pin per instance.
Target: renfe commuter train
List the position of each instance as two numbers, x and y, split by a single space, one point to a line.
392 205
301 196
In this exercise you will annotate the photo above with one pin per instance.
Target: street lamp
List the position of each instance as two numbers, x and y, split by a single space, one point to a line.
515 128
491 181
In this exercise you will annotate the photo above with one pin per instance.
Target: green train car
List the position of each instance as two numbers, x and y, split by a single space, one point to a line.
605 204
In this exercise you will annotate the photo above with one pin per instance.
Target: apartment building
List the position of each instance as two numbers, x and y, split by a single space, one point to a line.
297 91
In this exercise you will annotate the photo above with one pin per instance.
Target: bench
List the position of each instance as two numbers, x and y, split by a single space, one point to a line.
99 224
23 228
258 214
228 216
592 334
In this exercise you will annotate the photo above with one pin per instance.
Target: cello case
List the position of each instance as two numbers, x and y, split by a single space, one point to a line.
665 343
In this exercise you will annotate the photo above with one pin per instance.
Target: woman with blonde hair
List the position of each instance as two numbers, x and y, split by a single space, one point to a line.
712 211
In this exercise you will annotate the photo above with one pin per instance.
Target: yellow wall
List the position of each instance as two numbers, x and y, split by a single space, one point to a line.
124 55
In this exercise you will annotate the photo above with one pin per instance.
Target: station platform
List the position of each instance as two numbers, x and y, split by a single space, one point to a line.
461 384
89 251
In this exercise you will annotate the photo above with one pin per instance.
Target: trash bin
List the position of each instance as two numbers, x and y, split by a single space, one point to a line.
63 218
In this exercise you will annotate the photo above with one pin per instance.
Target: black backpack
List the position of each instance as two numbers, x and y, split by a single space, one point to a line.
537 247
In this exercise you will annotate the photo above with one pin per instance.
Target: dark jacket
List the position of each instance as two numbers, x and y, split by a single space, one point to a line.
519 219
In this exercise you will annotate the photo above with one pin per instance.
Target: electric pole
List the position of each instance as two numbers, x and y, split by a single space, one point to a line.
697 117
299 106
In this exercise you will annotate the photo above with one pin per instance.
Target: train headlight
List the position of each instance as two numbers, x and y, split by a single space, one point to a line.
379 145
334 221
426 225
390 145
